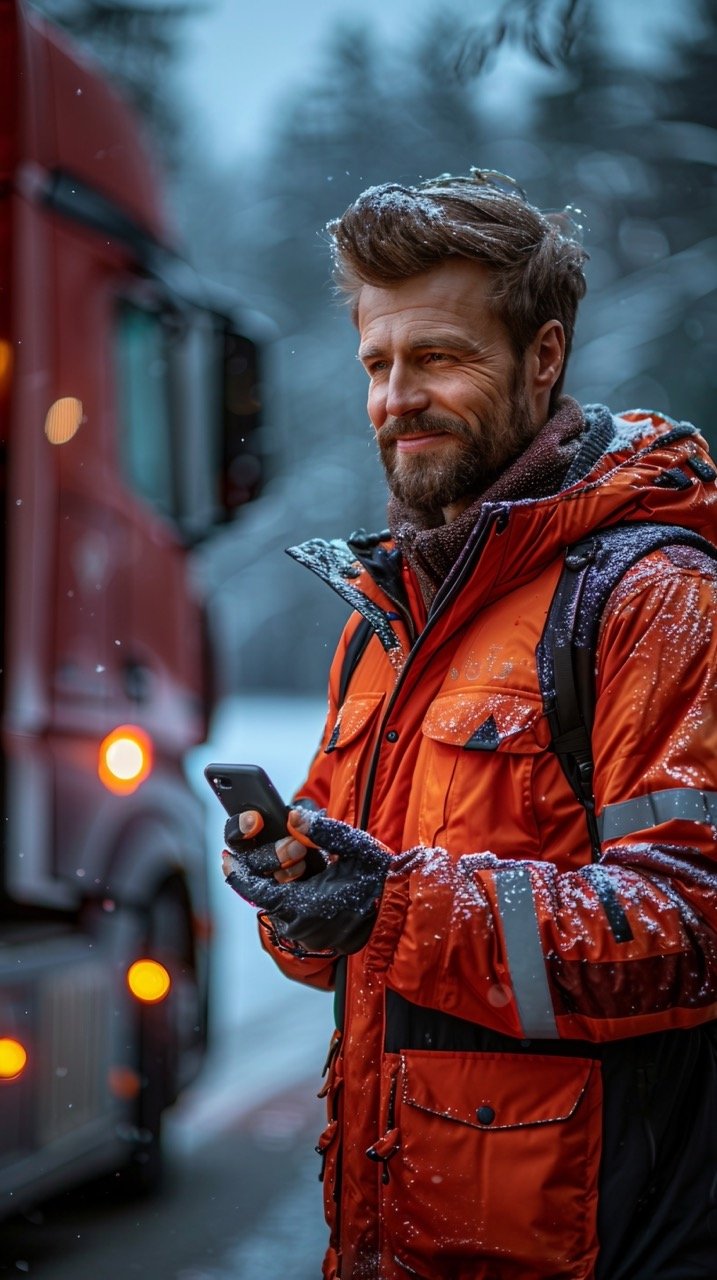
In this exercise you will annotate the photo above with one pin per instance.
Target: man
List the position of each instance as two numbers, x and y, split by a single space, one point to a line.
524 1084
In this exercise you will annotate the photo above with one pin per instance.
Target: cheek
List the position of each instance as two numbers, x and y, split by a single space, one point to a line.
478 395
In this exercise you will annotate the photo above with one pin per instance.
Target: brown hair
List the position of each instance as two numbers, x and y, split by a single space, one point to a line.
392 232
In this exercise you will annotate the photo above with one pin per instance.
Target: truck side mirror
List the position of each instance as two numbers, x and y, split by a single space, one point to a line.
215 400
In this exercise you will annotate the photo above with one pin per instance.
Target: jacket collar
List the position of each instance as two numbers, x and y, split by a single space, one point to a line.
643 473
337 563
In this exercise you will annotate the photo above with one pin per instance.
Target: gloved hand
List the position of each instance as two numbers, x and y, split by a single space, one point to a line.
292 858
334 910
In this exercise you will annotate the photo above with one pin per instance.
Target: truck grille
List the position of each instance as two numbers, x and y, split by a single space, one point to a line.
73 1059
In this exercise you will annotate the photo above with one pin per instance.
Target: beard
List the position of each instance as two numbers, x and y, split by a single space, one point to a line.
465 467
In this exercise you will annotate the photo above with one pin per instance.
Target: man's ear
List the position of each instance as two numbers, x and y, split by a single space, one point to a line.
543 364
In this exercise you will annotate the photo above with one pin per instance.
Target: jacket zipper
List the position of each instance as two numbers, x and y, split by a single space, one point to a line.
492 518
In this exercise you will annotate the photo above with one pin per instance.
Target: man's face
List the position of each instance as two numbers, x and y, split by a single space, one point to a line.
448 398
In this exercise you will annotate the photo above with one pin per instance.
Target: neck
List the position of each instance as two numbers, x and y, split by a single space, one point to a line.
455 509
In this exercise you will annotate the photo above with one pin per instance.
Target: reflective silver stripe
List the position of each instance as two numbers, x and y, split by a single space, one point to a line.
525 954
649 811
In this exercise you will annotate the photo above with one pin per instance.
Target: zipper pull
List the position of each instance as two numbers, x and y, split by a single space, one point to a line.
324 1143
327 1073
501 523
383 1150
388 1145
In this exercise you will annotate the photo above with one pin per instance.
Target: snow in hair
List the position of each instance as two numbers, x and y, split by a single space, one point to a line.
392 232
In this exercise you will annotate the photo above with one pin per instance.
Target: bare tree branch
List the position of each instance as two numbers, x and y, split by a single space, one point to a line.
545 28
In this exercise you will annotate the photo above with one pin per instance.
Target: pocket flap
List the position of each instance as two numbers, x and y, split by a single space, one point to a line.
493 1091
488 720
353 717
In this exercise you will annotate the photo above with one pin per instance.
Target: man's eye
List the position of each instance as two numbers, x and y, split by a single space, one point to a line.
434 357
376 366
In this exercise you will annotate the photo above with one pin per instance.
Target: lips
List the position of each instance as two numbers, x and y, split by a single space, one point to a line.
409 444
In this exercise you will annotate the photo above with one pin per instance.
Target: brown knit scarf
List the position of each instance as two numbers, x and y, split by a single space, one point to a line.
432 547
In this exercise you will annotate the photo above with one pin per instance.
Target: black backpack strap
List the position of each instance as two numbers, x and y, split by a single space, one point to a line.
352 656
567 648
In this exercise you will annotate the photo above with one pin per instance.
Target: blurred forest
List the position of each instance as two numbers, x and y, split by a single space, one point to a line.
544 90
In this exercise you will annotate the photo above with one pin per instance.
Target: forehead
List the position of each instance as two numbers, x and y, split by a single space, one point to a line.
455 294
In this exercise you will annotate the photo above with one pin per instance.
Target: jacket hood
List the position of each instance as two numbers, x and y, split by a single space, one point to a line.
652 469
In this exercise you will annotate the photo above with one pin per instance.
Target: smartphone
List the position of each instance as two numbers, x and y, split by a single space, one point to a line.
247 786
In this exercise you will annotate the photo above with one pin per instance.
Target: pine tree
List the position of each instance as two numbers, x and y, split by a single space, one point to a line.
633 148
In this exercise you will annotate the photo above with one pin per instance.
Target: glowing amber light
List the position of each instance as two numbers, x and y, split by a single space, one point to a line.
63 420
125 759
5 364
148 980
124 1083
13 1058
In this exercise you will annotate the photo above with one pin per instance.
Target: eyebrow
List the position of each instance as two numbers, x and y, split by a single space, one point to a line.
451 341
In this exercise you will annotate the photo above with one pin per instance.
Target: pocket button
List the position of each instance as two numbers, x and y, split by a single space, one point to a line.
485 1115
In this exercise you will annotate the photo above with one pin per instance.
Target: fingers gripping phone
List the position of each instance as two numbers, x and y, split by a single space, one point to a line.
246 786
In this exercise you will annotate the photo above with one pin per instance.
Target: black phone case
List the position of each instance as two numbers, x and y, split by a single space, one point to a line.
246 786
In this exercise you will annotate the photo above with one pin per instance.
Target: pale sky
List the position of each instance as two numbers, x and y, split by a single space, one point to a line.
246 53
243 55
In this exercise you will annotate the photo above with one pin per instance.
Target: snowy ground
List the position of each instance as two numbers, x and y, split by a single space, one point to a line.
267 1032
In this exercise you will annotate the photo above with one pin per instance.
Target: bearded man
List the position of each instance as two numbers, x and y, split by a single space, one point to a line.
523 1082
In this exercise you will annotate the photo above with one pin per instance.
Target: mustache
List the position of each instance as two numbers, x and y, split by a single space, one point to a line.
422 424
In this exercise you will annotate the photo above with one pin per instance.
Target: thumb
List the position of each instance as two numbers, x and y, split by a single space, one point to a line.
240 829
298 826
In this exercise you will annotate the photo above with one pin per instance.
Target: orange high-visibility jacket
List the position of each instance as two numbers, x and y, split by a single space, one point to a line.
525 1082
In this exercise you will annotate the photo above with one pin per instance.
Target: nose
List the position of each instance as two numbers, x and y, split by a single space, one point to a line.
404 392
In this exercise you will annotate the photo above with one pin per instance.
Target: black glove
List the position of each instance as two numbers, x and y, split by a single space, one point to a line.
334 910
261 856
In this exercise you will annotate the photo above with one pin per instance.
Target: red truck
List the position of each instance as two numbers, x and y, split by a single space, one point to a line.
129 421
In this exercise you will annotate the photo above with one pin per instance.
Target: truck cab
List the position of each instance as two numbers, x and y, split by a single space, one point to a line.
129 431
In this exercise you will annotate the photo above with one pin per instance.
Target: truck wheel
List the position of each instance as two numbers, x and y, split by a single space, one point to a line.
168 938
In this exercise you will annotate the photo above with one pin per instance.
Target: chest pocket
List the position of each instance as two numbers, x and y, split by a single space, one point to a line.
475 771
350 743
